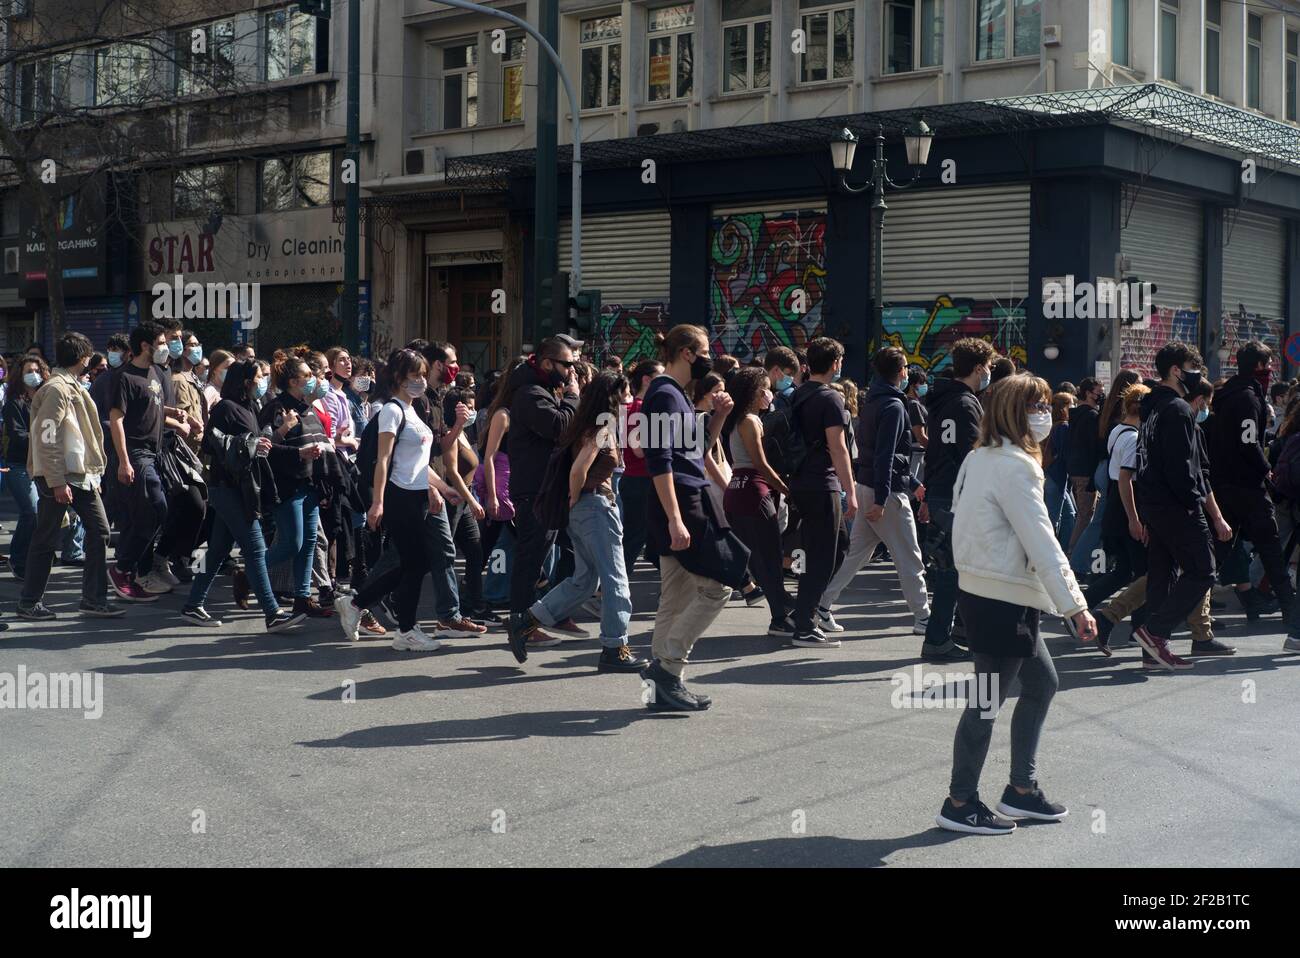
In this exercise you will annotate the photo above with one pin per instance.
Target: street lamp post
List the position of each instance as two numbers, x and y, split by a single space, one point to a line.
917 140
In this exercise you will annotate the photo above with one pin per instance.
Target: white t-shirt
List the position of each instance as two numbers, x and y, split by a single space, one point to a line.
1123 450
409 467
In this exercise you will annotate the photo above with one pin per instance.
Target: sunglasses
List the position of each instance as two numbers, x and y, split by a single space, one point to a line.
1040 407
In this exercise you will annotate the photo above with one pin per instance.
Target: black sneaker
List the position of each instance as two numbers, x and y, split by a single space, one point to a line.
521 624
74 563
1256 604
813 638
621 659
280 620
37 612
199 616
948 652
1104 627
101 610
486 617
1034 805
669 694
1212 646
386 609
973 818
754 597
783 628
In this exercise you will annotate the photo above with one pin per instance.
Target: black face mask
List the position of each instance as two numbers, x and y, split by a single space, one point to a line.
1190 381
701 367
555 378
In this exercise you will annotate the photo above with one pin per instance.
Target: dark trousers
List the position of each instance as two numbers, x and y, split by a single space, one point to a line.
180 531
635 491
465 533
1180 540
531 543
762 534
943 584
1250 513
404 512
45 540
144 506
821 529
1130 562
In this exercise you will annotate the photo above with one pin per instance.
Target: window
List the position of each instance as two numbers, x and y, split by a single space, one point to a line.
211 69
913 35
1119 32
995 20
290 44
1292 69
828 39
747 45
460 86
601 42
512 81
1213 18
1169 41
9 219
200 190
671 60
43 87
1254 54
296 182
123 73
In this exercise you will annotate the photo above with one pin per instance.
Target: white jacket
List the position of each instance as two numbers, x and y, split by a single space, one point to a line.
1003 543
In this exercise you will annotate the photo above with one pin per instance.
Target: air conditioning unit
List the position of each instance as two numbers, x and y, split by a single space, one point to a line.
423 160
1052 35
647 129
11 260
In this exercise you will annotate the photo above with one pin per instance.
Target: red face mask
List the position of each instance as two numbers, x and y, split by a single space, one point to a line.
1263 377
449 372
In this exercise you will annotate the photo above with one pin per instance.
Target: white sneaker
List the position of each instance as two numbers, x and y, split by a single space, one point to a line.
826 619
349 617
592 605
919 627
162 570
415 641
153 585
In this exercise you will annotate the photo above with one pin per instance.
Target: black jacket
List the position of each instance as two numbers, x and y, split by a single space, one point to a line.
885 453
1083 449
1170 467
290 469
537 419
17 425
1235 461
231 443
955 414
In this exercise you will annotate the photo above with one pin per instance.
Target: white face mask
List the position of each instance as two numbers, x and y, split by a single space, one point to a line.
361 384
1040 424
161 355
415 387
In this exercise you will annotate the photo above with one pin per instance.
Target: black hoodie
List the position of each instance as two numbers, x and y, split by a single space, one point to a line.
885 463
1237 457
1169 457
537 420
955 415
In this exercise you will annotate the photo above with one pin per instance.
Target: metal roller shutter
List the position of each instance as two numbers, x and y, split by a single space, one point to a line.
1254 283
968 243
1162 241
627 256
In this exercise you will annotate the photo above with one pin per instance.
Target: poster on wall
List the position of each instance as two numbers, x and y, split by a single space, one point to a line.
926 331
81 232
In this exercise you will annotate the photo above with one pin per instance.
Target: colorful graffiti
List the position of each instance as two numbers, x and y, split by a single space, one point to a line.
767 279
629 331
1139 346
927 331
1241 328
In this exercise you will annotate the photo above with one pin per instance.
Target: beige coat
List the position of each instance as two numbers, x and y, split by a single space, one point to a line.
67 443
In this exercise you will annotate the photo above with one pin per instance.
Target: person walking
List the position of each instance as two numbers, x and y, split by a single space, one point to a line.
32 374
1010 570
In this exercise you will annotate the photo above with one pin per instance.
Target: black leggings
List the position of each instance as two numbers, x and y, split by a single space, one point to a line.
465 533
404 512
762 534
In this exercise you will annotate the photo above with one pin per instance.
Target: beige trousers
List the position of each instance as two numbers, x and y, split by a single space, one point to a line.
688 604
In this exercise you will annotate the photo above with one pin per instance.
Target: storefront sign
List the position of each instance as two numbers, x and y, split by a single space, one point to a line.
80 220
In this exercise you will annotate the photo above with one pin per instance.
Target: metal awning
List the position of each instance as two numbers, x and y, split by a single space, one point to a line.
1157 109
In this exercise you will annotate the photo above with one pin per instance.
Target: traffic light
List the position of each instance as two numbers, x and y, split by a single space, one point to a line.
586 310
315 8
553 305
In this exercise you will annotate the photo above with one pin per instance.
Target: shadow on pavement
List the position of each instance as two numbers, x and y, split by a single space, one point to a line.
806 852
492 728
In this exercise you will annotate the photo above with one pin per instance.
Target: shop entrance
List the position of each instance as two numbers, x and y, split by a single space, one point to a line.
472 327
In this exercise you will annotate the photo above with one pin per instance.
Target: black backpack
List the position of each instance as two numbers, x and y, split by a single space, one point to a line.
551 506
368 453
797 446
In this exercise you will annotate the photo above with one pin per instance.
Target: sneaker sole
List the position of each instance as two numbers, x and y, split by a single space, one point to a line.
808 644
95 614
619 669
283 627
127 597
1211 653
518 646
1009 811
36 618
203 623
546 644
404 647
951 826
778 633
1152 650
456 634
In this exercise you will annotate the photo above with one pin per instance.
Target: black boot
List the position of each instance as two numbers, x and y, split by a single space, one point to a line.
1256 604
620 659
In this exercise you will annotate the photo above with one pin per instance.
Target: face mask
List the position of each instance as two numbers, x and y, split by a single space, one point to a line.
1040 424
415 387
259 388
473 414
160 355
1190 380
450 372
784 383
985 380
701 367
1263 377
767 399
201 375
361 384
309 388
114 358
85 384
922 389
838 374
1203 415
556 378
32 380
194 355
174 348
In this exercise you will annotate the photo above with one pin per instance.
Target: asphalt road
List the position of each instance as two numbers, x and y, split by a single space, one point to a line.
231 747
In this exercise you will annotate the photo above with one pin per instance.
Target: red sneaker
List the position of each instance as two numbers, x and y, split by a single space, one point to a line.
1158 649
127 588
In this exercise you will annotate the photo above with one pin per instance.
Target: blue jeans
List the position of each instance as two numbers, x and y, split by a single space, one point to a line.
1090 541
597 534
228 527
23 490
1060 508
295 536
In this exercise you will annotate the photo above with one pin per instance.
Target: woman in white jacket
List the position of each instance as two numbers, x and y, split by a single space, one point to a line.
1010 570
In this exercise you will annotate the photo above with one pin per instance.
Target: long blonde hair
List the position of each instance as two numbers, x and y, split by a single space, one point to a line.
1006 412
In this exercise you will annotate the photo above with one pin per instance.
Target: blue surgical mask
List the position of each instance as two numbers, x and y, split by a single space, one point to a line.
309 388
85 384
195 355
175 347
32 380
114 358
259 390
838 374
784 383
473 414
1203 415
985 381
922 389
